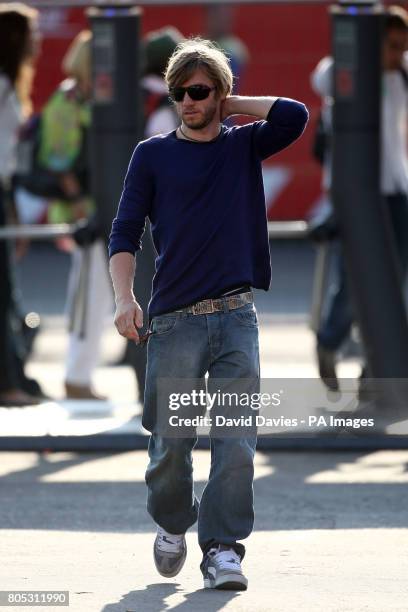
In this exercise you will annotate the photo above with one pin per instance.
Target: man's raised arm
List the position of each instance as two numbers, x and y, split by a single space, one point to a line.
246 105
284 120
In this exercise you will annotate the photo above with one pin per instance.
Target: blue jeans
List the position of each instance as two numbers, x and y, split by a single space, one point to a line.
224 344
339 319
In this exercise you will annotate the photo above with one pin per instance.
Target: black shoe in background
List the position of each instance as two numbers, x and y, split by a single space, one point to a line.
326 360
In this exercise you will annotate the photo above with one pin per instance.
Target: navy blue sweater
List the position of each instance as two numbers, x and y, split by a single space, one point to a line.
206 205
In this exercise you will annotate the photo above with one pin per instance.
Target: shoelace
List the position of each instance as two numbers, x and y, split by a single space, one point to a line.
168 542
226 559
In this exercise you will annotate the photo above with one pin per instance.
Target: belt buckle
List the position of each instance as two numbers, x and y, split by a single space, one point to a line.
203 307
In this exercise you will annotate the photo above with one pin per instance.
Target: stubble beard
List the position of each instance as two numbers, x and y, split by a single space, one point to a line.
207 118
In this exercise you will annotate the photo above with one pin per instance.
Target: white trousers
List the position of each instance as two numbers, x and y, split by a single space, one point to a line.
89 302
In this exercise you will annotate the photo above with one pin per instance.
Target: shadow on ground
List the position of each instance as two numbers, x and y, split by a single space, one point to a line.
156 594
286 498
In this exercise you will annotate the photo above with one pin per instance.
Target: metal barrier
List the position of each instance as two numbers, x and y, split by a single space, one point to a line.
278 230
36 232
287 229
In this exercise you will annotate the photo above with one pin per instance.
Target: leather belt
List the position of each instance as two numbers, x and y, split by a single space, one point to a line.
218 305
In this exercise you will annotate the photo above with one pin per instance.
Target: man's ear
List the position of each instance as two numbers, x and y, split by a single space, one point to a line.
219 96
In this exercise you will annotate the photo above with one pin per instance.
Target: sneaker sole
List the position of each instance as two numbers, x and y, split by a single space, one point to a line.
174 572
230 582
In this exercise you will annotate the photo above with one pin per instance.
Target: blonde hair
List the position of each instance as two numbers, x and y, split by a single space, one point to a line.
194 54
77 60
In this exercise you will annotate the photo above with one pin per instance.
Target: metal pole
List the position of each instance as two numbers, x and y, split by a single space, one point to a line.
370 253
116 109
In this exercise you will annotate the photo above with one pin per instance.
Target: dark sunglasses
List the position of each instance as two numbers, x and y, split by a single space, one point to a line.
196 92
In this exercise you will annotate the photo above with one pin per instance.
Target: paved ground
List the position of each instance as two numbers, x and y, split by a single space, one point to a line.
331 528
330 535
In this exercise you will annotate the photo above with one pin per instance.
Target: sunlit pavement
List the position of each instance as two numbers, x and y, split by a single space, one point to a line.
330 534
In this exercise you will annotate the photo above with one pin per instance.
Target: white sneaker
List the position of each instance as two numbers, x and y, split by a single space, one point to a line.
221 568
169 552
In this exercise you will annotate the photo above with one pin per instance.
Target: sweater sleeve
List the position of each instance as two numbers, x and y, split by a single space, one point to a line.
285 122
134 206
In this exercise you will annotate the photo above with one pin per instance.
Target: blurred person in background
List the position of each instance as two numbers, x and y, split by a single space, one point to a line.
158 46
90 285
19 46
220 24
63 150
336 326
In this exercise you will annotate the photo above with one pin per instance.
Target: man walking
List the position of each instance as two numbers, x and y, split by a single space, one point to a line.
201 188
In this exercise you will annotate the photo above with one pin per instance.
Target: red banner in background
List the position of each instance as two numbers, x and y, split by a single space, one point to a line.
285 42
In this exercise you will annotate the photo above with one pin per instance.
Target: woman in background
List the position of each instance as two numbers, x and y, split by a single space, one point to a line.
18 50
63 150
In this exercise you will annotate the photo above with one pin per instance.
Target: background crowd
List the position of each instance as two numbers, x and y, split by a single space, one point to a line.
45 178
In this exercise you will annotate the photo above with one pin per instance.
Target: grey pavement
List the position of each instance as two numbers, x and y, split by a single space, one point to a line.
331 529
330 534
